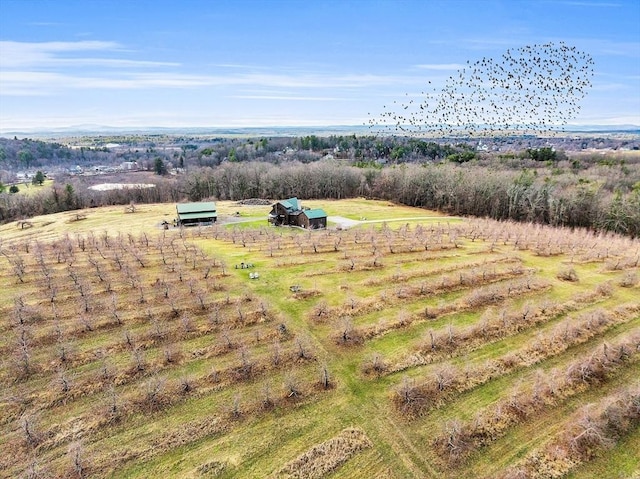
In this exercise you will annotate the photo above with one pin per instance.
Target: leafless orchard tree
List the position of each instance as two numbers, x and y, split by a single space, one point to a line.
266 396
154 393
171 353
30 429
303 349
138 359
455 441
77 457
245 369
114 310
114 405
276 352
236 407
22 356
445 376
345 329
325 378
186 384
227 340
409 396
63 380
375 364
292 388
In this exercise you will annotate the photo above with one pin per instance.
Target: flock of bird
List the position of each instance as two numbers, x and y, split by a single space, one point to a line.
529 90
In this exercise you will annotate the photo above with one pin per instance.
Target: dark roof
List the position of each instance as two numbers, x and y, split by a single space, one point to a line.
315 213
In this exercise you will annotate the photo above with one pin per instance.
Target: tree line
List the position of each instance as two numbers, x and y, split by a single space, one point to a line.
600 197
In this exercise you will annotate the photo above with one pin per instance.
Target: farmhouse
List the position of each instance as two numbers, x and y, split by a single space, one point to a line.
196 213
290 213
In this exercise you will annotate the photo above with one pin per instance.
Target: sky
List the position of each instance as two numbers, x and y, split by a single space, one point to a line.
256 63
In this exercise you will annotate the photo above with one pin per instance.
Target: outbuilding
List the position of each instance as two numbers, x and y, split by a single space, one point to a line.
313 219
190 214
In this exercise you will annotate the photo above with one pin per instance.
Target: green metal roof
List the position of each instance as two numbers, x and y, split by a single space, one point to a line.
291 204
195 216
201 207
315 214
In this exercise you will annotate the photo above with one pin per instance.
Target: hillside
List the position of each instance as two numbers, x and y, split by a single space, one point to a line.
409 345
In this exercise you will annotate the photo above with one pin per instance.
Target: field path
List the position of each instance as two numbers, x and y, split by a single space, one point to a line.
348 222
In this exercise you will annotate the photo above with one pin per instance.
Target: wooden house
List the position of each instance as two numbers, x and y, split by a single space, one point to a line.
290 213
190 214
285 212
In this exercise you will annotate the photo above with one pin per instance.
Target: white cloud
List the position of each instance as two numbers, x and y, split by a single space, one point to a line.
439 66
288 98
25 54
25 82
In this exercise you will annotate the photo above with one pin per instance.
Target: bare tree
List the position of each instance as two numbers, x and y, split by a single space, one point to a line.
226 337
409 395
455 440
77 457
292 385
138 358
375 364
187 324
29 426
114 406
276 352
246 364
303 348
186 384
445 377
63 380
114 309
267 400
345 329
154 394
23 353
236 408
325 379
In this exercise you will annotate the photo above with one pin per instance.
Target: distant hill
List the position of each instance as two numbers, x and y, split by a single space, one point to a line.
271 131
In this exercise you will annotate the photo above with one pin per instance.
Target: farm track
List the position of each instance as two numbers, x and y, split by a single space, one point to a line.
207 335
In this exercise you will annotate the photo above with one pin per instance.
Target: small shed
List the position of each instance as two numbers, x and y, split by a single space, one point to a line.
190 214
313 219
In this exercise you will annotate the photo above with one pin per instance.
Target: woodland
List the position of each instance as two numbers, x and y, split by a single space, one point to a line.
589 181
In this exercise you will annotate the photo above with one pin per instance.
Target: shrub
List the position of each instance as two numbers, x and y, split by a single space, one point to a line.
567 274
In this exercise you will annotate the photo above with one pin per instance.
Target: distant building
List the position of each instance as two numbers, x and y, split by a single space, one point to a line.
129 165
190 214
290 213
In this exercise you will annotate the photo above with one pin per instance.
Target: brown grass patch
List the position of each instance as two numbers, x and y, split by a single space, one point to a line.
326 457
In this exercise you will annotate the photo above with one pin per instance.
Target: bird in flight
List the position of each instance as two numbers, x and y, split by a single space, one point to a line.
529 90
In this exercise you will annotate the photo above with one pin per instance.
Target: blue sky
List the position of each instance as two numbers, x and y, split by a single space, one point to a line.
284 62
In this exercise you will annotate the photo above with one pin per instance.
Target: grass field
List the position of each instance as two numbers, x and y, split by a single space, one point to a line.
411 345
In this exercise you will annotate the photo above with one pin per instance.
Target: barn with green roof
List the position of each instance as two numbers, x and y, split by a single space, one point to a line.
191 214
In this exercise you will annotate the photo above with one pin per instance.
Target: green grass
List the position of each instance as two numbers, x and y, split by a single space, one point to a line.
198 428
